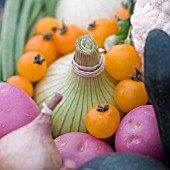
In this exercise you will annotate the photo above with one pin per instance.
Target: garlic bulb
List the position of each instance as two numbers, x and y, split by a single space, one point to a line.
83 12
32 147
80 82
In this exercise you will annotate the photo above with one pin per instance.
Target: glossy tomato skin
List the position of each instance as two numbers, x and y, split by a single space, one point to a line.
120 61
29 68
46 47
101 29
102 124
130 94
65 42
46 25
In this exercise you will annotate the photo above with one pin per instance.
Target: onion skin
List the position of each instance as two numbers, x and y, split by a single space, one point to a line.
31 147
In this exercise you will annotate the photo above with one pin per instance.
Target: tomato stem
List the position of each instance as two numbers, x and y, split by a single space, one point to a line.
38 59
92 26
125 5
137 76
120 42
63 30
118 18
103 108
47 36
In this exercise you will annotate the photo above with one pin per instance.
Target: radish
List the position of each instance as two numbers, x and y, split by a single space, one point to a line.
16 109
138 133
80 147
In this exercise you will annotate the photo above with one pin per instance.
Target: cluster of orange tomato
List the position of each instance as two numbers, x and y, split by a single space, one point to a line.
53 40
123 63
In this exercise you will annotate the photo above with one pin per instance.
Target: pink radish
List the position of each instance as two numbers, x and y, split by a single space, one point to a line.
16 109
138 133
80 147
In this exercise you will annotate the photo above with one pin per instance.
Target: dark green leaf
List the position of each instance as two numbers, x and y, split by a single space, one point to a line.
131 5
124 29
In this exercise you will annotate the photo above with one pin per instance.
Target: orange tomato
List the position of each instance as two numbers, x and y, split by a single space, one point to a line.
65 38
46 25
130 93
100 30
32 65
102 120
120 61
22 83
122 13
44 45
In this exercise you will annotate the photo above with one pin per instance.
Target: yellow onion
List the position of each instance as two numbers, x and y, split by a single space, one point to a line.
32 147
81 78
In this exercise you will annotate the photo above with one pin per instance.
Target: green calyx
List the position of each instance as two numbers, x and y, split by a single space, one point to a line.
92 26
63 30
54 28
47 36
137 76
103 108
38 60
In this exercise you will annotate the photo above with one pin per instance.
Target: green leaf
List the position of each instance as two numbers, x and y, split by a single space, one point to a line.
123 34
131 5
110 42
124 29
128 39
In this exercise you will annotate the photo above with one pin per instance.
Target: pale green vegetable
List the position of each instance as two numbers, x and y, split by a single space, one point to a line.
8 36
37 7
124 34
22 30
79 93
50 7
31 31
83 12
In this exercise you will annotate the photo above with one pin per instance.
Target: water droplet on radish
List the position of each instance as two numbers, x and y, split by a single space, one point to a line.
82 149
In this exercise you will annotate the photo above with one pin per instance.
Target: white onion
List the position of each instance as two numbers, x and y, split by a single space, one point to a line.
83 12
